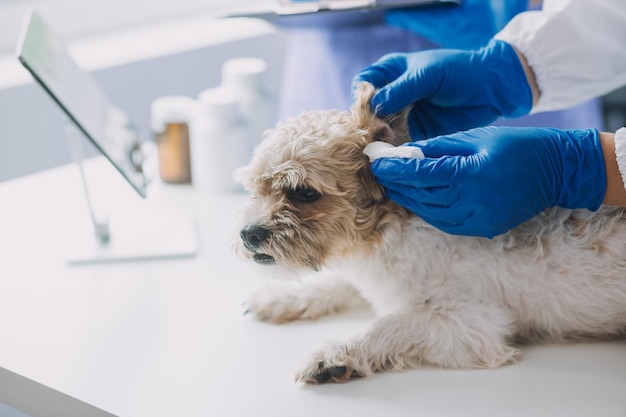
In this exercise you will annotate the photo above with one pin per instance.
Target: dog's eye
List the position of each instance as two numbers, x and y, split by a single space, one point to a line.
304 194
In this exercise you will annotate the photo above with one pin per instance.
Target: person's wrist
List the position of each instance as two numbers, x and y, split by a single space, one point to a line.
530 76
509 82
584 179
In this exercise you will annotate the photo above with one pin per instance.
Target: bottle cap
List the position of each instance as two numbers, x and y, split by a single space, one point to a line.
170 109
218 103
243 73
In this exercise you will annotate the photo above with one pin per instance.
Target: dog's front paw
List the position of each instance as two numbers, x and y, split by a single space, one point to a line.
282 304
333 363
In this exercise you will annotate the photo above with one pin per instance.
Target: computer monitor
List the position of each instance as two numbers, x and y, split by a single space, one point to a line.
83 101
90 112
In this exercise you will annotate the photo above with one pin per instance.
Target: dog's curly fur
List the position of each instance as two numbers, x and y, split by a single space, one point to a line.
443 300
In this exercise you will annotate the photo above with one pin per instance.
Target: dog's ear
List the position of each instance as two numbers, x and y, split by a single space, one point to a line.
372 188
393 129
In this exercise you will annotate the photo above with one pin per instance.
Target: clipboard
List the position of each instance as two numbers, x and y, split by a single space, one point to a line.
324 12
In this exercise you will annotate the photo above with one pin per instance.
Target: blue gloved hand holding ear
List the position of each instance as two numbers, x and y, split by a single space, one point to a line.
486 181
450 90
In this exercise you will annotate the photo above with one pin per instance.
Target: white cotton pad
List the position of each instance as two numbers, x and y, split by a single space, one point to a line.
380 149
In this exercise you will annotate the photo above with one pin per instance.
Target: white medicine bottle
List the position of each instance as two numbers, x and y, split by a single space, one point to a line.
219 141
246 78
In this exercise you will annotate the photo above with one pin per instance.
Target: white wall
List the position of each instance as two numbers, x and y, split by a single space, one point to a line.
79 18
32 131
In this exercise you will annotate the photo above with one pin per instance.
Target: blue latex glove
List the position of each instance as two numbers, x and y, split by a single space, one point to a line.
450 90
486 181
467 25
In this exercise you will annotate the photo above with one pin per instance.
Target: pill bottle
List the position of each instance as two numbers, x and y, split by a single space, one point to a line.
170 118
246 77
219 141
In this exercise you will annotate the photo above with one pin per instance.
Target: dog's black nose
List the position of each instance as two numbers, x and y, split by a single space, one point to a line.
253 236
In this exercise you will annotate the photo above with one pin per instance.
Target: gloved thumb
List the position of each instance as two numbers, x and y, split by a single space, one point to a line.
428 172
452 145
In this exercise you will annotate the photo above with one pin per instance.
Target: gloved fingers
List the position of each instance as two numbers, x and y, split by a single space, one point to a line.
430 213
432 117
425 173
380 73
467 229
460 144
469 222
402 92
365 76
446 146
400 81
411 172
373 75
444 218
431 198
451 218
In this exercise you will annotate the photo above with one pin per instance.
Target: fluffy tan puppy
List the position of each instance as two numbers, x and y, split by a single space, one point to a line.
443 300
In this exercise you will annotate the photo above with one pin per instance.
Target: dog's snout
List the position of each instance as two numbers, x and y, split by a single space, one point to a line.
253 236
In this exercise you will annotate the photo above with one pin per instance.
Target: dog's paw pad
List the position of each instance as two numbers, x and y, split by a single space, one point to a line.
331 374
323 374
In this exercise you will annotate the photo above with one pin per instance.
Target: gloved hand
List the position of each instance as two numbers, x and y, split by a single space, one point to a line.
486 181
465 26
450 90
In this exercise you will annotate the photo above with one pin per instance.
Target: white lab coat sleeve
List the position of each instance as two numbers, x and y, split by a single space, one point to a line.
620 152
576 49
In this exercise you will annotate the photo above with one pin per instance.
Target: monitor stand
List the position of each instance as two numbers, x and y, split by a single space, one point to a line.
148 235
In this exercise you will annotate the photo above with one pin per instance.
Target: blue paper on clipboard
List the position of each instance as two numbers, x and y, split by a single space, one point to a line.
290 7
309 12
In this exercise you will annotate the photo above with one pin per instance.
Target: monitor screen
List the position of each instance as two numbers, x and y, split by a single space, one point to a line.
83 101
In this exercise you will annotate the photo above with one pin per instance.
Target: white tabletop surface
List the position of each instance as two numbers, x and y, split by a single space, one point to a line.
169 338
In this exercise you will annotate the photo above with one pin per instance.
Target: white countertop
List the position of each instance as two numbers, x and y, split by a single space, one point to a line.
168 338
